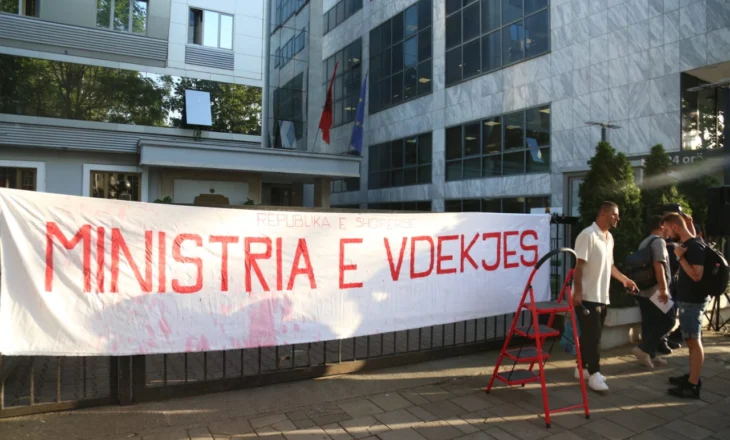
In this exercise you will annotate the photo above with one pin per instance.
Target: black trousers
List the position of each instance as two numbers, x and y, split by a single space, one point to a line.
654 325
591 327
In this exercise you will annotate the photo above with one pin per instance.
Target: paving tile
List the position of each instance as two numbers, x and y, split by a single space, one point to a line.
649 435
402 434
399 419
200 434
688 430
500 434
222 437
231 428
709 419
478 419
297 415
444 408
361 408
422 414
636 420
461 424
479 435
391 401
473 402
566 435
261 422
434 393
283 426
414 397
378 429
307 434
358 428
327 419
304 423
525 430
168 434
438 430
336 432
609 429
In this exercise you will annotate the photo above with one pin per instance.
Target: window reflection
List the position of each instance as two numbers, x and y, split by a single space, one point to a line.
400 162
702 116
53 89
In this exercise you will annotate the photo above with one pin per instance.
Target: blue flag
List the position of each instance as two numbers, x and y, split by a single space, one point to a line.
357 129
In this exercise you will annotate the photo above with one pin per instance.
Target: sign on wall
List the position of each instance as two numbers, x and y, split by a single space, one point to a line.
84 276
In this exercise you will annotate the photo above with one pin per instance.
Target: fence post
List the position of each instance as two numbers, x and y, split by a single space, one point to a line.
124 380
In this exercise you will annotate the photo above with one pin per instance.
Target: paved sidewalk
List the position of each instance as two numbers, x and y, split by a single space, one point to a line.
438 400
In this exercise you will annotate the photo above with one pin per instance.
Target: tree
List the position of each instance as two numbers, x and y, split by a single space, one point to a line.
611 178
656 193
695 192
235 108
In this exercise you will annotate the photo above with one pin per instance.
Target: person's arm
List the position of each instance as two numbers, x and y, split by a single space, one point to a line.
691 259
661 280
582 249
578 282
626 281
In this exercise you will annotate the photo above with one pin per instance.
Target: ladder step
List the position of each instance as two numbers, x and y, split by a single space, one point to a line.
529 331
526 354
545 307
518 377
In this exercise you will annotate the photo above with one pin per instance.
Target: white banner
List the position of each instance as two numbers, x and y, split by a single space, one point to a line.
84 276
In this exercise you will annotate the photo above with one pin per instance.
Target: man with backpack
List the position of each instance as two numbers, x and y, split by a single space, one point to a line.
692 302
650 270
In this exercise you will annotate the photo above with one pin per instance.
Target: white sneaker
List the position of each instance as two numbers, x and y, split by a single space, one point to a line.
658 360
586 374
643 357
598 384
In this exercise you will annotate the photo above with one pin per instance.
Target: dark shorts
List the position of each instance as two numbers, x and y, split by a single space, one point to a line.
690 319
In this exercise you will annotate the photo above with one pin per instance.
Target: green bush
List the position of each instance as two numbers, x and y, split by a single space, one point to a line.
611 178
658 164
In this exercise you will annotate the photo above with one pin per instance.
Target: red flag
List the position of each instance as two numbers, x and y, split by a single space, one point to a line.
325 122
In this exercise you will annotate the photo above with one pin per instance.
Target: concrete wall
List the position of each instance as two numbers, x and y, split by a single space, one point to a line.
611 60
64 169
83 13
248 39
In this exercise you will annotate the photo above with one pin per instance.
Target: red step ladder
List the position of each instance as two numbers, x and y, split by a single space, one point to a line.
538 335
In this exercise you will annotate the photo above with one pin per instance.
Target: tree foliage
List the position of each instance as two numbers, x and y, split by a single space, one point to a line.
658 164
611 178
695 192
36 87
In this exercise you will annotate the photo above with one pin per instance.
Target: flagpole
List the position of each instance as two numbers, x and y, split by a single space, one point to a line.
316 137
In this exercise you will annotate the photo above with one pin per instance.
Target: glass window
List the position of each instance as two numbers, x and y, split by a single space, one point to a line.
401 162
340 12
471 205
703 116
348 81
121 96
515 143
493 34
113 185
511 205
18 178
213 29
118 15
403 67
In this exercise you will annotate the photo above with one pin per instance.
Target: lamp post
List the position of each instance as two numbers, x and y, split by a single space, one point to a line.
724 86
604 127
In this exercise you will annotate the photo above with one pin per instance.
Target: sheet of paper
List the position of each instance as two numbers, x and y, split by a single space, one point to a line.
663 307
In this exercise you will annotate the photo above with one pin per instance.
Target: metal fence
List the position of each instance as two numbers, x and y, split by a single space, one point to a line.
40 384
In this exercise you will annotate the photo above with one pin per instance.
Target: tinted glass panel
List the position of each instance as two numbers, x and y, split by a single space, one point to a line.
453 66
410 18
453 143
119 96
536 34
513 130
453 170
513 206
491 51
538 127
491 205
405 64
513 163
471 205
471 139
492 139
538 160
401 162
491 15
472 168
348 81
453 30
511 10
534 5
513 42
471 64
471 22
492 166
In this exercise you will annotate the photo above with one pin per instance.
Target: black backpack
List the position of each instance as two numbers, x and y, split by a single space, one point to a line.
639 266
715 276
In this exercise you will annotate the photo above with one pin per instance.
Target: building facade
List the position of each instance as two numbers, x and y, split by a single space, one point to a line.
482 105
148 99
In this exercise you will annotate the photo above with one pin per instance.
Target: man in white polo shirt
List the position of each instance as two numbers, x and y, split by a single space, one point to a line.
592 280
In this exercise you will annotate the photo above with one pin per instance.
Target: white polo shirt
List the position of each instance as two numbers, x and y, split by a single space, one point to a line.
596 249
